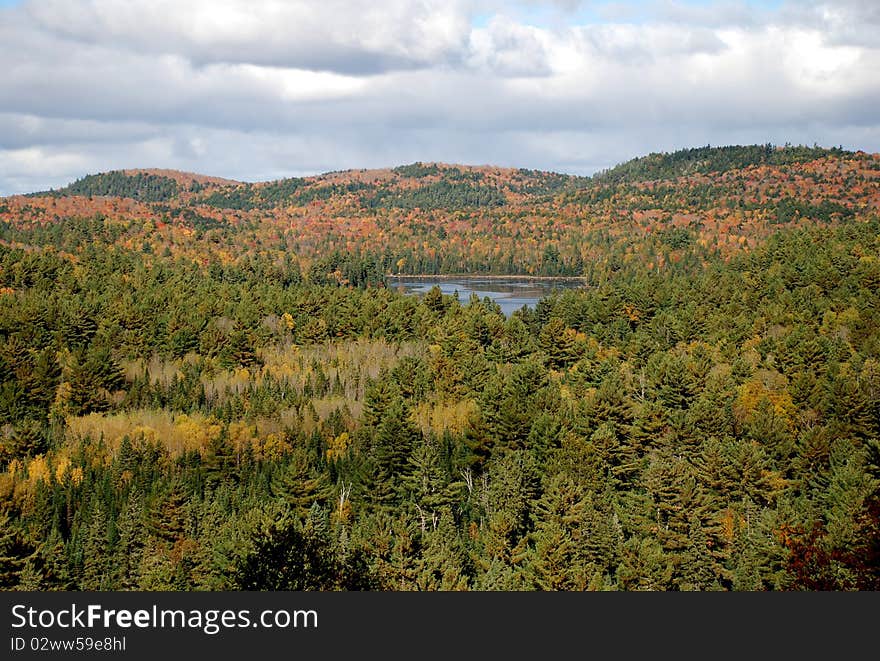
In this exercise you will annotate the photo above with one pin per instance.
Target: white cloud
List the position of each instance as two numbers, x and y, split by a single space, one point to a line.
336 35
253 90
29 169
507 48
842 22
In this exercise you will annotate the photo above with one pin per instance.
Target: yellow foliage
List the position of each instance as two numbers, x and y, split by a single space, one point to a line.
149 434
193 433
76 476
38 470
177 433
14 467
348 361
775 481
61 469
241 433
445 416
342 514
752 343
263 436
632 312
338 446
728 524
7 486
274 446
63 394
752 393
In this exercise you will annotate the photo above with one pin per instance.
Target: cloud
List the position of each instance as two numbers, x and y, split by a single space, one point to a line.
639 44
261 90
841 23
507 48
331 35
22 131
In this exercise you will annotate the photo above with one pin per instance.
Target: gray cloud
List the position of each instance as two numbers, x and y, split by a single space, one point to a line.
841 22
22 131
333 35
252 91
509 49
727 13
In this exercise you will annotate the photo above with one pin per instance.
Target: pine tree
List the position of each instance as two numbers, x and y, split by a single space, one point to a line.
507 499
96 571
12 553
558 343
129 546
389 456
51 564
557 560
699 570
602 534
155 570
427 483
644 566
219 461
286 555
166 520
30 577
298 485
442 562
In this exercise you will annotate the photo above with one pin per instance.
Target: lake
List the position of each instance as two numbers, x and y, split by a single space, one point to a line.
509 293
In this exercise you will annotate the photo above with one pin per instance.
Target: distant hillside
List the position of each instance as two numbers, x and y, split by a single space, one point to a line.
357 226
185 179
431 186
425 186
704 160
140 184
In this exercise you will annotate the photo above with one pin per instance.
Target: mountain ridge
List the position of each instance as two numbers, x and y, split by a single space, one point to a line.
649 167
430 218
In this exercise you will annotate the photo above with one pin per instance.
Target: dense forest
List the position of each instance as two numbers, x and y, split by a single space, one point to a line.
207 385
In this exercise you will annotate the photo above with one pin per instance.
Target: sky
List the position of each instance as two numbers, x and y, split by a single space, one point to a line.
263 89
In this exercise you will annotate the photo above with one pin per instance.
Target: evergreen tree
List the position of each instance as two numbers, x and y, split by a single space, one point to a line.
557 561
297 484
96 572
13 553
443 560
129 547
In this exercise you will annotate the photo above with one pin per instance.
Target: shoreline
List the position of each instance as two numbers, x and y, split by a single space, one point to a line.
480 276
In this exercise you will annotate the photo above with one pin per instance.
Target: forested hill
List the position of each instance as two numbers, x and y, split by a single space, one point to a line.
707 160
149 185
356 226
439 185
211 385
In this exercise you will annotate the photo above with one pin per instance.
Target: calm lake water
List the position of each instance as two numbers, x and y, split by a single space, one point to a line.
509 294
